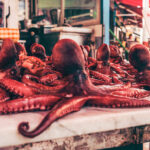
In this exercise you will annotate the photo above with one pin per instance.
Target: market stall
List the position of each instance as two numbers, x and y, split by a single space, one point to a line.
68 80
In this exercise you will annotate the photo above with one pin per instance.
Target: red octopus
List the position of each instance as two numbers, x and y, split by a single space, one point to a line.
102 68
38 50
139 57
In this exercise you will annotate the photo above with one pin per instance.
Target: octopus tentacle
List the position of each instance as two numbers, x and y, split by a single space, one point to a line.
29 80
36 102
4 96
85 83
141 85
118 70
91 65
65 107
48 78
49 70
100 76
97 82
116 80
92 60
60 109
112 88
26 78
132 92
57 82
18 88
118 101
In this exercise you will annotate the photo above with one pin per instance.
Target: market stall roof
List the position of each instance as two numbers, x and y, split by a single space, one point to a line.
130 11
133 3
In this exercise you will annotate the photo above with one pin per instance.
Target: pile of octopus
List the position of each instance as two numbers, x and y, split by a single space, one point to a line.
68 80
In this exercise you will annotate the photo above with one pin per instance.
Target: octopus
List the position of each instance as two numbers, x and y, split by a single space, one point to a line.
75 92
104 69
139 57
117 59
37 64
39 51
8 54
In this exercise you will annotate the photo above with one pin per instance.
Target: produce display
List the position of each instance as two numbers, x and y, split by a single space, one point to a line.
68 80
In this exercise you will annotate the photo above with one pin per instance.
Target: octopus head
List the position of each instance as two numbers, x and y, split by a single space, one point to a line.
38 50
67 57
103 53
20 49
139 57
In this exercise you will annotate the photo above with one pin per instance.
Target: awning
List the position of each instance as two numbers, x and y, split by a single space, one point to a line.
134 3
132 9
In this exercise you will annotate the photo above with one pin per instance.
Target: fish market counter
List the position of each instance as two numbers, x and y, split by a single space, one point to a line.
88 129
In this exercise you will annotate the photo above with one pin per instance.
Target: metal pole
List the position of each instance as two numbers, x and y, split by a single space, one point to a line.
62 14
106 20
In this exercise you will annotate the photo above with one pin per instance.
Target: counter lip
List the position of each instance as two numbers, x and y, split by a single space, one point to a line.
87 120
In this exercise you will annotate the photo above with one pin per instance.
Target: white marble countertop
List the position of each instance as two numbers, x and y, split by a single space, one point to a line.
87 120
